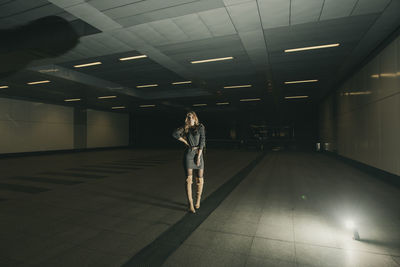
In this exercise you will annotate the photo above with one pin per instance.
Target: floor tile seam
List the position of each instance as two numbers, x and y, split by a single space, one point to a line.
219 248
244 235
108 231
56 254
75 247
249 254
345 249
393 258
252 241
270 258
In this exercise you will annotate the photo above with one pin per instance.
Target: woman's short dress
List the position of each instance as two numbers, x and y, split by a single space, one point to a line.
197 139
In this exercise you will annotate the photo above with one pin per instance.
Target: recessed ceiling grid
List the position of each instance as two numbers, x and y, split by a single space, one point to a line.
172 33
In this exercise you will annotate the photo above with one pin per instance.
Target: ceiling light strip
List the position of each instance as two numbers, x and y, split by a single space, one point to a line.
199 105
146 85
184 82
38 82
222 103
108 96
120 107
147 106
296 96
304 81
72 99
250 99
88 64
3 86
211 60
311 47
237 86
131 58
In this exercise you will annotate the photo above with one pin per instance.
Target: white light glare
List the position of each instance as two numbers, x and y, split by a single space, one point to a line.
350 224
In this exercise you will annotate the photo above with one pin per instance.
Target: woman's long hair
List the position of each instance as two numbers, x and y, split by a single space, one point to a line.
187 121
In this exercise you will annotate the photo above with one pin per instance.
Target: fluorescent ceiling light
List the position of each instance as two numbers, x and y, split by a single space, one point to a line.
296 96
3 86
108 96
48 70
250 99
391 75
146 85
304 81
38 82
131 58
311 47
222 103
147 106
72 99
87 65
211 60
118 107
238 86
358 93
199 105
184 82
375 76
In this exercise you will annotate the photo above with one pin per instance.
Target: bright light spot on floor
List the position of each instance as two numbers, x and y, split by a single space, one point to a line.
350 224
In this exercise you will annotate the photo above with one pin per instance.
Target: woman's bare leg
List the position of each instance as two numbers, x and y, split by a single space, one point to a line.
199 183
189 182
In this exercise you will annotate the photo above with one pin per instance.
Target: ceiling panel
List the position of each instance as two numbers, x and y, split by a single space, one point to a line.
303 11
337 8
193 26
170 12
143 7
20 6
92 16
325 32
38 12
148 34
274 13
169 30
370 6
107 4
235 2
250 22
218 22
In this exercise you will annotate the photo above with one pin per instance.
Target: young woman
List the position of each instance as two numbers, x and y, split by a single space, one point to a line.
192 134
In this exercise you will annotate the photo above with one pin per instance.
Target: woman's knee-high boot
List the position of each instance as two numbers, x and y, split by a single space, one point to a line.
199 182
189 193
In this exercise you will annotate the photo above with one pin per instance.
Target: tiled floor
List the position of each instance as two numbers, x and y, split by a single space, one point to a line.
289 210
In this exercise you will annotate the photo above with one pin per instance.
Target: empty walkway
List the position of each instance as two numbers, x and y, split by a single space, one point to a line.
109 208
